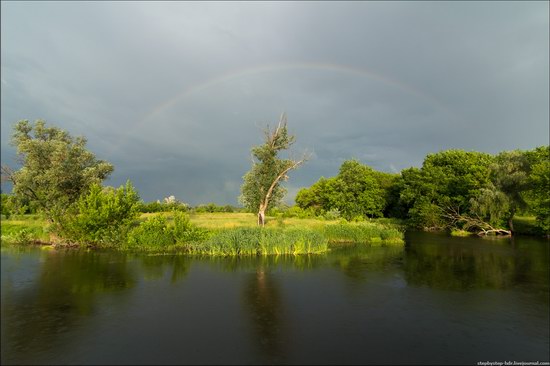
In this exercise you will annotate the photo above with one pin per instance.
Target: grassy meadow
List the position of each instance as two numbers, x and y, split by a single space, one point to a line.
233 234
225 234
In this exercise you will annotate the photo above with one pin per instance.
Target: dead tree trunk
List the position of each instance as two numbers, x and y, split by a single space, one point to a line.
261 216
265 201
477 224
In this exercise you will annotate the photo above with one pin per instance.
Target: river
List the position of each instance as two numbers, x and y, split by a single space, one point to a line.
438 300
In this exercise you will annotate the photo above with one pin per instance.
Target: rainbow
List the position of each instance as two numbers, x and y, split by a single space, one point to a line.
235 74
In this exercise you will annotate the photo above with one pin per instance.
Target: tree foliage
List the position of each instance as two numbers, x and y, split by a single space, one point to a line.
447 180
509 175
261 188
103 215
490 204
7 207
538 197
56 167
357 191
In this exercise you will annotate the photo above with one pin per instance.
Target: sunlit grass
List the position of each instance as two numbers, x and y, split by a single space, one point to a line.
23 231
239 234
262 241
461 233
334 231
365 232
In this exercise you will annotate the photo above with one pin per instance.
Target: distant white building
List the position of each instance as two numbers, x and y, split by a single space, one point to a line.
170 199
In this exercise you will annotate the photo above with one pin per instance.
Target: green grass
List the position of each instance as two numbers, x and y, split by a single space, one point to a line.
461 233
223 220
262 241
24 231
231 234
364 232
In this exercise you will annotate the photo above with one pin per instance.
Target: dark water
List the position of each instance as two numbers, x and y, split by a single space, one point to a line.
438 300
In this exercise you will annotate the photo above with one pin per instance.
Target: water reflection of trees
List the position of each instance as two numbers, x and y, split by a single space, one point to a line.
264 305
251 263
154 267
68 283
357 261
476 263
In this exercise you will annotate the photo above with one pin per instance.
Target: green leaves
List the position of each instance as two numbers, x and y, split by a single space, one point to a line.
539 182
491 204
57 168
355 191
156 233
449 178
261 188
101 216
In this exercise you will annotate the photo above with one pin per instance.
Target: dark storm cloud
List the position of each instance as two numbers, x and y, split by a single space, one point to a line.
176 93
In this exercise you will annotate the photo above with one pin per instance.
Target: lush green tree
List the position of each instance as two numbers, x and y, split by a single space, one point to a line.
212 207
390 183
539 184
490 205
103 215
509 175
56 167
357 191
261 188
452 189
448 180
7 208
318 196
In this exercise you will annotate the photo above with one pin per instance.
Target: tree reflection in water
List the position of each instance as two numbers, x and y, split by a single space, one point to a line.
472 263
154 267
262 297
65 294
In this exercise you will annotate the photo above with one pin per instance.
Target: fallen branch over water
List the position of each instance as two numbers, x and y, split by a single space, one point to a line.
472 223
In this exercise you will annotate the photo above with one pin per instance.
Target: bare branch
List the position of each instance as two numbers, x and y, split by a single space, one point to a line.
471 222
282 123
7 174
294 165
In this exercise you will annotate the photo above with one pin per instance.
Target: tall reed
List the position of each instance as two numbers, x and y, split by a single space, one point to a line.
262 241
364 232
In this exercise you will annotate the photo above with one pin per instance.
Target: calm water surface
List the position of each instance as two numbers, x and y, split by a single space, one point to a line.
438 300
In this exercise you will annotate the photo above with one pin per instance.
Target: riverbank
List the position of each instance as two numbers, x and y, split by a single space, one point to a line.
222 234
118 307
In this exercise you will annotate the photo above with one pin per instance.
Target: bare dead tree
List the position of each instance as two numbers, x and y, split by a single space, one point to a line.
293 164
261 184
471 223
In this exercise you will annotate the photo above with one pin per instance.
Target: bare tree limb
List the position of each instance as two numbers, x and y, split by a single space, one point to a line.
474 223
7 174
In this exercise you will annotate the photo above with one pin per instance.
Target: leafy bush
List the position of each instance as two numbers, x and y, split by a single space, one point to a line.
427 216
332 214
153 232
212 207
17 205
157 206
101 216
7 207
157 233
300 213
184 231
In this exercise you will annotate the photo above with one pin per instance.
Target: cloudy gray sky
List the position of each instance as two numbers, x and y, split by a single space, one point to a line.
174 94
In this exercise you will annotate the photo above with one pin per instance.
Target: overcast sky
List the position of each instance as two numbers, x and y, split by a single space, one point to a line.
175 94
